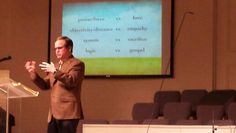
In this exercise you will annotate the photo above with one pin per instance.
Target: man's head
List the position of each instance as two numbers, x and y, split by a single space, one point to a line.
63 47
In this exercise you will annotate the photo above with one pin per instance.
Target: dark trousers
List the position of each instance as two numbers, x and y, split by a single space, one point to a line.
62 126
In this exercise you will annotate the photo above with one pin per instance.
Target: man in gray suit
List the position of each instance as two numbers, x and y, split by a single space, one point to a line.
64 79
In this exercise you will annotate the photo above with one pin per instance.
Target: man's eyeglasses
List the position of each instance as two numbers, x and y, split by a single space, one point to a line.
58 48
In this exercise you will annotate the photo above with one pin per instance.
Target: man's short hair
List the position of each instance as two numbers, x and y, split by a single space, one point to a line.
69 42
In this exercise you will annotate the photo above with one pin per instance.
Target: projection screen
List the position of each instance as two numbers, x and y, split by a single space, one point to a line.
116 37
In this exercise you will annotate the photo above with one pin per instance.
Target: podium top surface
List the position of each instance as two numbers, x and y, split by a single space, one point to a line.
13 89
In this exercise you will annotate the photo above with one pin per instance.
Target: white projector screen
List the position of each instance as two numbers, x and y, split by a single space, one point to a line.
116 38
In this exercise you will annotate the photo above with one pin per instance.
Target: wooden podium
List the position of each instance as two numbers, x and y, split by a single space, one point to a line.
10 89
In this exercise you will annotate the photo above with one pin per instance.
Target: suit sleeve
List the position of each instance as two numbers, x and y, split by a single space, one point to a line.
40 82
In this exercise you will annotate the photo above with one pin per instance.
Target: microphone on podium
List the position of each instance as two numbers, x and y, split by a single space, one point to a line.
5 58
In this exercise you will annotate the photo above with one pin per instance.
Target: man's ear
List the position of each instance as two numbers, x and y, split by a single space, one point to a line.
70 49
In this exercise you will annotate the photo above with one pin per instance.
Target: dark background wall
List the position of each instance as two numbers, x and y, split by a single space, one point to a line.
203 59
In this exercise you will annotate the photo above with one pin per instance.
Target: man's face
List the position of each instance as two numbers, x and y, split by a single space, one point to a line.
61 51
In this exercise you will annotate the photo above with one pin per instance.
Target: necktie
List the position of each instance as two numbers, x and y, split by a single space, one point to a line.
60 64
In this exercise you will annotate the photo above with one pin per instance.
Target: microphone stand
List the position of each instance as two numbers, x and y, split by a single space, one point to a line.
213 122
175 41
150 121
168 64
